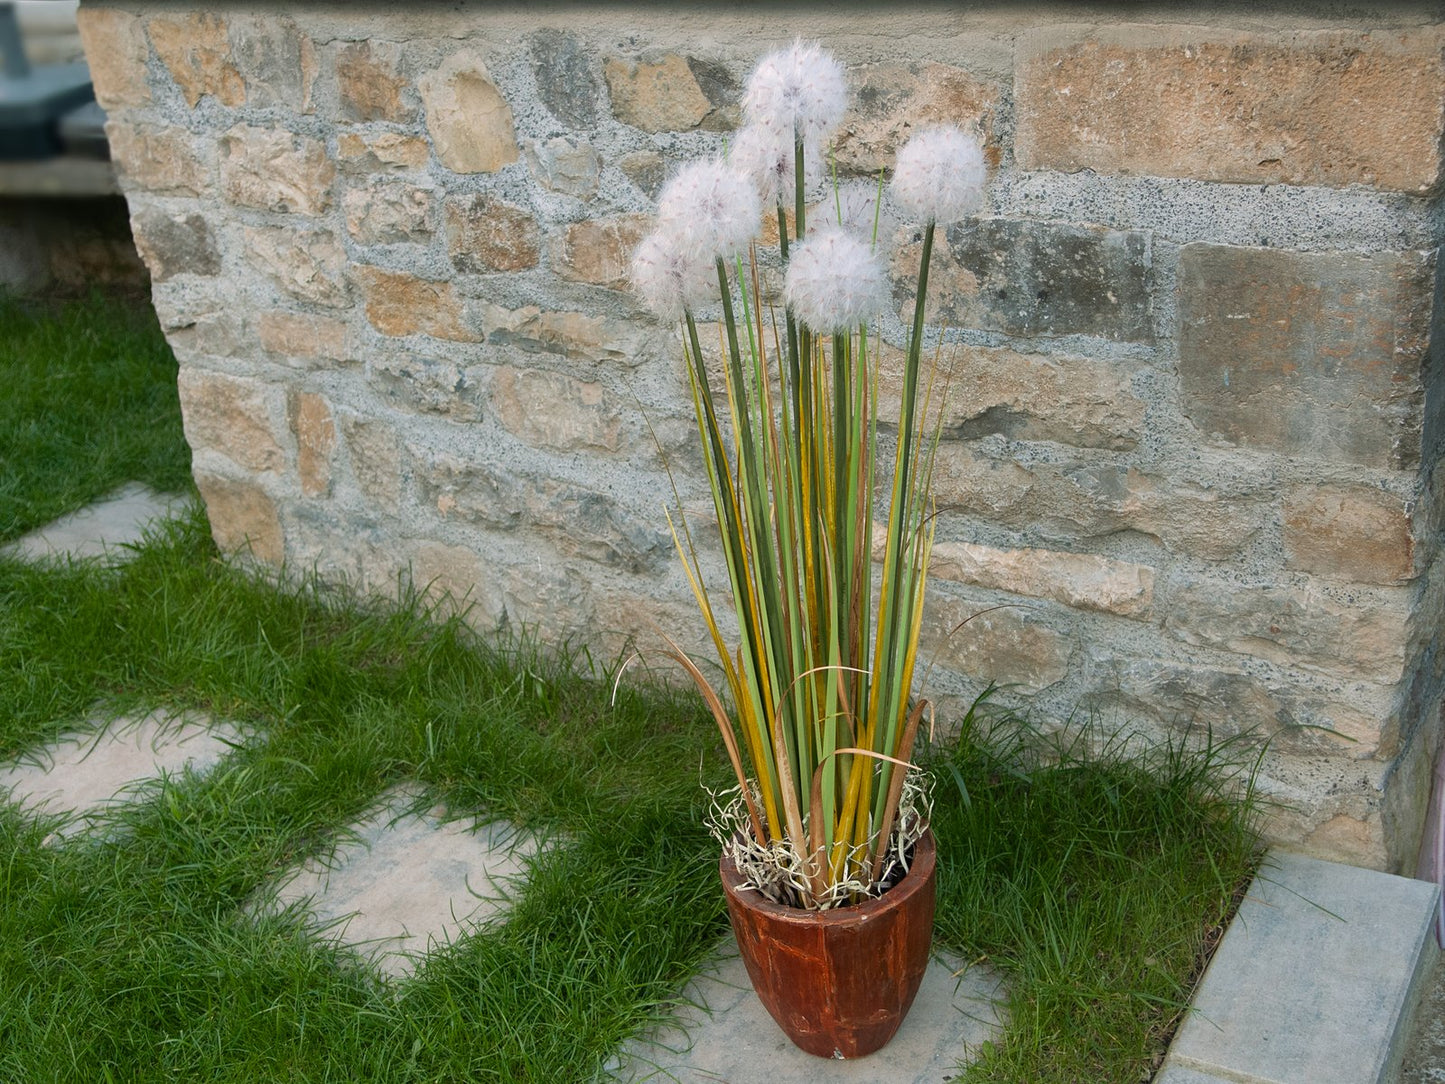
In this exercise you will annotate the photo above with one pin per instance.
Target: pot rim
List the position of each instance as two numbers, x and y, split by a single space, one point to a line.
920 874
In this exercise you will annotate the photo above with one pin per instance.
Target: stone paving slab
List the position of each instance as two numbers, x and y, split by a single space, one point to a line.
116 520
723 1035
84 773
1314 981
407 880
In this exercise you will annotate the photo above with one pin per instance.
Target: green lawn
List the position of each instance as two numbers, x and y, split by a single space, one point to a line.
1091 881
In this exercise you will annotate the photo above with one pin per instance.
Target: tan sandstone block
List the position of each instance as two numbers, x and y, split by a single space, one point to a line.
388 212
1313 108
242 518
229 415
116 51
892 101
455 574
486 234
159 159
302 335
660 97
1353 532
197 50
307 264
387 152
275 58
370 83
315 433
273 169
987 644
1081 580
401 304
553 410
574 335
375 457
469 120
600 251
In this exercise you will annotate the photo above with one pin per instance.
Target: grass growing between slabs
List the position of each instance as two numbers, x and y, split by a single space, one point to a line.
89 404
1090 881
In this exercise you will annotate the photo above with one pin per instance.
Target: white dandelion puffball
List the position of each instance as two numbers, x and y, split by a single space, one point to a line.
669 281
710 209
854 209
767 158
940 175
798 92
834 282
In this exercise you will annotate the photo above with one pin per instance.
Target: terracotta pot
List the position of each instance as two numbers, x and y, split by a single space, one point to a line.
838 982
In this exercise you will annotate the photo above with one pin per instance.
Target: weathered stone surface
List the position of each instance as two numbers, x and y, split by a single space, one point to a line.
230 415
1033 278
1009 646
486 234
657 97
116 51
469 120
386 152
892 101
175 244
599 251
276 60
565 82
275 170
315 433
375 457
646 169
388 212
1316 354
303 335
553 410
243 518
197 51
1353 532
159 159
402 304
567 334
370 83
984 390
428 384
563 165
457 577
307 264
1330 108
1081 580
1361 633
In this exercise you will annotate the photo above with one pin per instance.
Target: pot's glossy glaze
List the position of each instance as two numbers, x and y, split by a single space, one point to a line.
838 982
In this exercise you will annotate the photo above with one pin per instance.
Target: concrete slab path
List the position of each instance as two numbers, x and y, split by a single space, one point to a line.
116 520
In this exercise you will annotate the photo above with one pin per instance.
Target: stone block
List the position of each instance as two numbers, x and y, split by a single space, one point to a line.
303 336
243 518
232 416
307 264
1314 354
196 49
599 251
276 60
383 152
1081 580
116 51
1311 108
469 120
486 234
565 82
983 390
315 432
892 101
661 96
100 529
375 456
457 574
388 213
175 244
1355 533
273 169
646 169
574 335
1033 278
431 385
553 410
162 160
370 83
985 643
401 304
568 166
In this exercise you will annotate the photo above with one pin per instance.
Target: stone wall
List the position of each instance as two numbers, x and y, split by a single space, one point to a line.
1188 468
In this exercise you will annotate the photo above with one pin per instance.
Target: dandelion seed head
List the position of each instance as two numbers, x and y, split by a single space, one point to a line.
854 209
710 209
798 92
767 158
834 282
940 175
669 281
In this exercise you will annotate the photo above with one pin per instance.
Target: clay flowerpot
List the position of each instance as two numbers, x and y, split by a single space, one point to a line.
838 982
